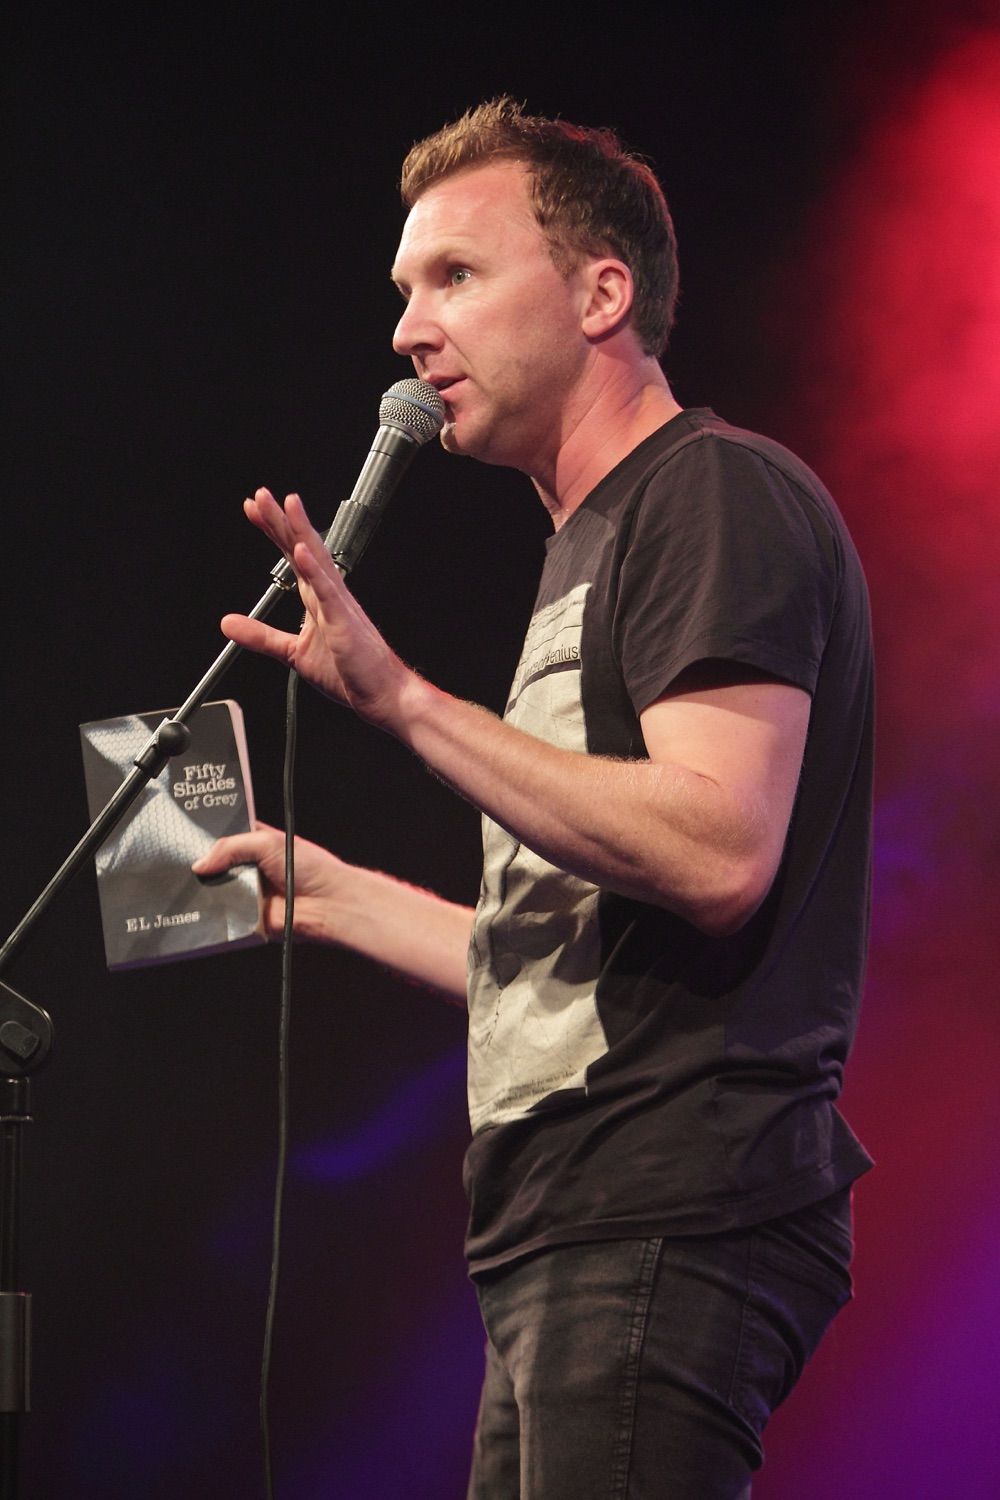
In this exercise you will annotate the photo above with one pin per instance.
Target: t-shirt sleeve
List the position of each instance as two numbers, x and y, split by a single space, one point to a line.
730 560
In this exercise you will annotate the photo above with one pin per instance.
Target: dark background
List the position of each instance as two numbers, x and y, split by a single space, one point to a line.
200 217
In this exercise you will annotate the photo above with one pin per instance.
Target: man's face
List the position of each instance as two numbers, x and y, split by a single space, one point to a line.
489 320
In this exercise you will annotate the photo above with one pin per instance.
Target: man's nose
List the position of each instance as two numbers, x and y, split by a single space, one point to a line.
416 329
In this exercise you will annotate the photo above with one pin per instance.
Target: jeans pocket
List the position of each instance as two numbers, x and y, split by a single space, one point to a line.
794 1292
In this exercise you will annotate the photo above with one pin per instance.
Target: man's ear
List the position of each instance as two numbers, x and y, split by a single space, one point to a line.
611 294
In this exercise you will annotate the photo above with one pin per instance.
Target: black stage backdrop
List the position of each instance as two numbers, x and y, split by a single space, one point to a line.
200 217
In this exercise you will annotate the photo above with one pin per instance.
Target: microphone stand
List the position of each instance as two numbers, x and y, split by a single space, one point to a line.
26 1040
346 539
410 413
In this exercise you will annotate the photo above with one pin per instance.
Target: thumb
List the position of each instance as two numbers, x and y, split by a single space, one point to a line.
237 849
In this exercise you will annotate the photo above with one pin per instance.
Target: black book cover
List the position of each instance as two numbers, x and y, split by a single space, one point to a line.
152 907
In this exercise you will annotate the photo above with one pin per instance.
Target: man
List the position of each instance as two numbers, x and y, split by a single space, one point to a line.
665 961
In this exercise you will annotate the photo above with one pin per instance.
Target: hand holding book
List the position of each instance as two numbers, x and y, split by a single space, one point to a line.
152 907
319 878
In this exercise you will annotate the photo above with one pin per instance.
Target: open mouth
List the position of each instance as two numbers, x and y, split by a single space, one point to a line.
445 386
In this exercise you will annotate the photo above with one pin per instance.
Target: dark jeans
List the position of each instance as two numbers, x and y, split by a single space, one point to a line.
646 1369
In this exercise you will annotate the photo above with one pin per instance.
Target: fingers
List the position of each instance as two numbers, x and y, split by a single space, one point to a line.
309 554
330 610
239 849
285 525
266 514
256 636
290 528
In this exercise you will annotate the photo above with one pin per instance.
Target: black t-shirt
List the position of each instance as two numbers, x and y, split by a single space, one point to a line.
629 1075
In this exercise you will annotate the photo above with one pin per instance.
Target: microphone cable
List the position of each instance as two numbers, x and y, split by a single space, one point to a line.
410 413
284 1028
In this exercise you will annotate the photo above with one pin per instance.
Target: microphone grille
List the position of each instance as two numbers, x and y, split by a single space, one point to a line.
414 406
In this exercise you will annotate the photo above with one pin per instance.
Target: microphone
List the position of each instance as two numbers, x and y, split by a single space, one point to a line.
410 413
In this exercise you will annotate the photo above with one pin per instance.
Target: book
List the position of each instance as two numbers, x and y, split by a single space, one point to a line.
153 908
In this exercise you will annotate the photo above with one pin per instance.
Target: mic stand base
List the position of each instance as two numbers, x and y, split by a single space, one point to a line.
30 1030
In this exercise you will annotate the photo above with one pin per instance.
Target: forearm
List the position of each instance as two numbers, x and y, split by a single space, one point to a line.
420 935
659 832
412 931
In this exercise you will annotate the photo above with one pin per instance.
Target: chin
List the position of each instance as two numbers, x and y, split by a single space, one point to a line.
469 439
464 443
448 439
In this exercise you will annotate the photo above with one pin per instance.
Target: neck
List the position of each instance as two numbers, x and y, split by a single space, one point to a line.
615 411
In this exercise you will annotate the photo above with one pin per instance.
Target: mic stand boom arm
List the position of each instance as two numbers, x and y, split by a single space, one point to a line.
411 412
26 1040
346 540
170 739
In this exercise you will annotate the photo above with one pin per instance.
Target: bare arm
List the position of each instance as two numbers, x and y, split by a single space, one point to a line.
698 829
412 931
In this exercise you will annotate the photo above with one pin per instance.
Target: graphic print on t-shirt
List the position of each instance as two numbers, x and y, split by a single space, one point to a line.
535 953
